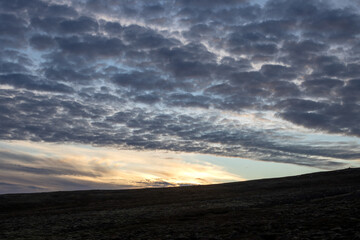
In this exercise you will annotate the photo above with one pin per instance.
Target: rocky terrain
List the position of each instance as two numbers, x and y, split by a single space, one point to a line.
323 205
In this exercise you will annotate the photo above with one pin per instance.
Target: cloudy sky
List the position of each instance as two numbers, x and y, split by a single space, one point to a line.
128 93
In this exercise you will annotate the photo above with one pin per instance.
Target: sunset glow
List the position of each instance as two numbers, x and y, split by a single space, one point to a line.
131 94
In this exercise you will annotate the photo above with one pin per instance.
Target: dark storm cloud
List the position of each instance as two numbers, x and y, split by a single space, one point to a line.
142 80
351 90
240 44
63 25
189 69
335 25
81 25
148 98
42 42
199 31
208 3
139 129
67 75
151 10
143 38
292 9
60 11
329 66
12 30
191 65
189 100
33 83
334 118
322 87
300 105
134 74
278 72
10 67
113 27
90 46
11 25
47 24
22 6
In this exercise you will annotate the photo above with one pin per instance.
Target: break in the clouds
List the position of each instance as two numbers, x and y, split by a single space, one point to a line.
32 167
275 80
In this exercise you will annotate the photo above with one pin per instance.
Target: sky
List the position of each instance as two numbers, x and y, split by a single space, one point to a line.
110 94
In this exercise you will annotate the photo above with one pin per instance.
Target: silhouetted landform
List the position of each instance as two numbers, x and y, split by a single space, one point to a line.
323 205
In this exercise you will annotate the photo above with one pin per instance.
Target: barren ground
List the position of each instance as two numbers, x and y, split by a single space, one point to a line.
315 206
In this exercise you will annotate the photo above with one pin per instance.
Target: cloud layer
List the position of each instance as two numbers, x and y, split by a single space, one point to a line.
34 167
230 78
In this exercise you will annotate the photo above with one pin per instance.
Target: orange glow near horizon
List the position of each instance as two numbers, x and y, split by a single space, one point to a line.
109 168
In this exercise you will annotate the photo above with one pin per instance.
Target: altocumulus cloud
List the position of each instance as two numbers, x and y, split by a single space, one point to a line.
230 78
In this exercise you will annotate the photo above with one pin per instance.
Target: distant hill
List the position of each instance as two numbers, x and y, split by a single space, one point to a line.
323 205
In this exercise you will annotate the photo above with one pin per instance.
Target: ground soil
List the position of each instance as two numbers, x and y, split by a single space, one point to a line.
323 205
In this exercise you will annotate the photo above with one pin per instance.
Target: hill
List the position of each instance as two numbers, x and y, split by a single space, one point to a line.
323 205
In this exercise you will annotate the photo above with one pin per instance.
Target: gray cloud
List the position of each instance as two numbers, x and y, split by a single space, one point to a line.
33 83
19 188
80 25
24 172
41 42
140 129
90 46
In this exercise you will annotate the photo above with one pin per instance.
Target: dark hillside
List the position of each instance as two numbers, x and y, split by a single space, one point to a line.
314 206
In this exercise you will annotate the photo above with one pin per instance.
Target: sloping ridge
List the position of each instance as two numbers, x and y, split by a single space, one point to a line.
323 205
287 189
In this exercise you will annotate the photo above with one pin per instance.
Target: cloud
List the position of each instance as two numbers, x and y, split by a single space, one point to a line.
211 3
19 188
322 87
142 81
73 167
93 47
12 26
80 25
32 83
41 42
177 75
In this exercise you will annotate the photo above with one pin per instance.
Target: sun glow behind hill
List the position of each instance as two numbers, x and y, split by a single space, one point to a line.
39 167
53 167
133 93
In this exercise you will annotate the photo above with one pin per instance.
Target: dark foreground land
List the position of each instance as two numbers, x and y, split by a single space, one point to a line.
315 206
